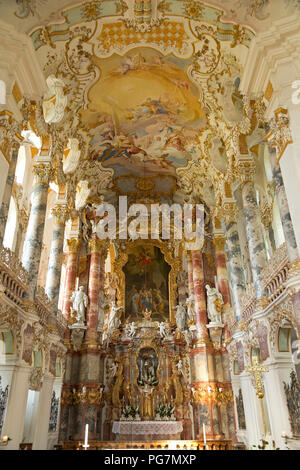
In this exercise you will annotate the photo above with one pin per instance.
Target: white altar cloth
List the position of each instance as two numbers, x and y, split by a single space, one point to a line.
147 427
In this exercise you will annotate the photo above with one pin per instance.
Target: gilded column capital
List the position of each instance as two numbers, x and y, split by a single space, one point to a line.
61 213
246 170
73 245
98 246
229 211
279 135
43 173
219 243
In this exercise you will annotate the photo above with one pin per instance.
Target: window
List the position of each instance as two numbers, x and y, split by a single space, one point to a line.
2 92
21 165
11 225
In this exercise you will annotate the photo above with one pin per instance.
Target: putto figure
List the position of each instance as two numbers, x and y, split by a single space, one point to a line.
80 302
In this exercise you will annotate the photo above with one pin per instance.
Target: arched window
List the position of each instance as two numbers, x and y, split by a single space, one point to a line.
2 92
21 165
11 225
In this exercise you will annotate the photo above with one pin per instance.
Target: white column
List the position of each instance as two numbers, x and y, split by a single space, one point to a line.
279 372
16 407
43 414
253 415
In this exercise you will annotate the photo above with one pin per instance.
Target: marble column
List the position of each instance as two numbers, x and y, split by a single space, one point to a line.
199 293
34 236
8 191
96 248
257 249
71 273
60 214
237 275
284 210
40 439
222 279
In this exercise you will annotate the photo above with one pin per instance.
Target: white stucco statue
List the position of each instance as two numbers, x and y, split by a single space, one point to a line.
179 367
112 370
214 304
55 100
80 302
113 320
162 329
180 316
190 302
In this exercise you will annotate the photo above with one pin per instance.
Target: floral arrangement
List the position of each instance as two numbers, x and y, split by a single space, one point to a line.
165 411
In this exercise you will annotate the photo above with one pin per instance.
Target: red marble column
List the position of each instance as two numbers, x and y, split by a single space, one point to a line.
96 247
71 272
199 293
223 284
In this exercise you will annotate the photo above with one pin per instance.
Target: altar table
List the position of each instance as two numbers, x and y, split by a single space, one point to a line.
147 430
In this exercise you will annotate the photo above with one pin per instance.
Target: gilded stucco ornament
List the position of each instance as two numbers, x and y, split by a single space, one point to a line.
279 135
36 379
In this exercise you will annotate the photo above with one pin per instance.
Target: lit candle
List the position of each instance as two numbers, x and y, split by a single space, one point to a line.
86 437
204 435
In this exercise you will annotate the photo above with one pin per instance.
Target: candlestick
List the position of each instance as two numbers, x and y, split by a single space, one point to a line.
86 437
204 436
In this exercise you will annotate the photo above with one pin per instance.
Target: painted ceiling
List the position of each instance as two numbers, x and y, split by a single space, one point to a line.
148 91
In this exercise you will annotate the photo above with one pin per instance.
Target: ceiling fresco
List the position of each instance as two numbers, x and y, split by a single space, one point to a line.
143 101
144 114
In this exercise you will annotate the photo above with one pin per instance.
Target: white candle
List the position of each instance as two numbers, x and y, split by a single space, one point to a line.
204 434
86 437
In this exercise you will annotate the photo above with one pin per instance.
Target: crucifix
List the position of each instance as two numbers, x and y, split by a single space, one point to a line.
256 370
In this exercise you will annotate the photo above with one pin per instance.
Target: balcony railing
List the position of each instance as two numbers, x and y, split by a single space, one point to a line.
13 276
274 276
275 273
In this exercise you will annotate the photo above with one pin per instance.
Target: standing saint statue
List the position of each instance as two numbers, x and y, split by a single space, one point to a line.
80 302
180 316
214 304
147 403
190 302
113 321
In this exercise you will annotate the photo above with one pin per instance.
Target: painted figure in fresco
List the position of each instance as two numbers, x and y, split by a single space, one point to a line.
80 302
113 321
214 304
180 316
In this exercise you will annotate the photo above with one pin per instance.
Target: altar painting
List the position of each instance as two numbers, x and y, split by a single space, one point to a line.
146 281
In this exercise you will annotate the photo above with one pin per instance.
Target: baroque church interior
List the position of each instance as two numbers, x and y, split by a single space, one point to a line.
149 342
